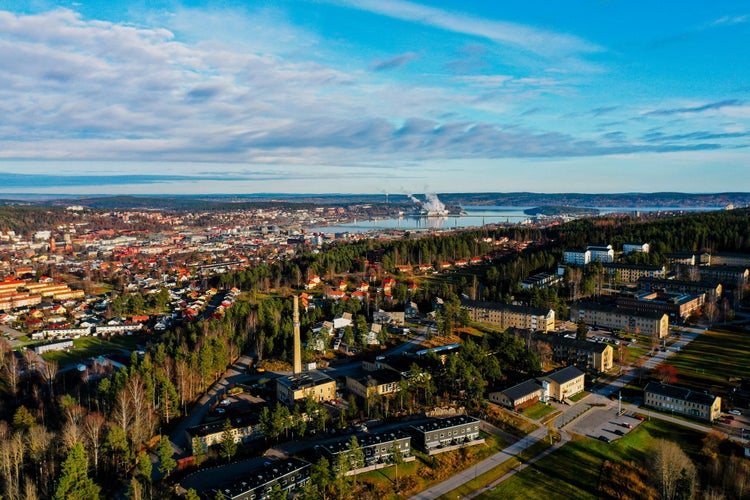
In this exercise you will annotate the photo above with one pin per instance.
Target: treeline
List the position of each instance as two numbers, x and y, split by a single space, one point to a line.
719 231
103 424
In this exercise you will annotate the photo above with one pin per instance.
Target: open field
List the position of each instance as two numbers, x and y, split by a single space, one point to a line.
88 347
709 361
550 478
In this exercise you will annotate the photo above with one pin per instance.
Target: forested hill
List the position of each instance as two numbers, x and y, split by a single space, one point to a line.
599 200
519 199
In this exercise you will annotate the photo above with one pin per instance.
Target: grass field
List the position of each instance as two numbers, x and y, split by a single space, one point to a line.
573 471
537 410
88 347
712 359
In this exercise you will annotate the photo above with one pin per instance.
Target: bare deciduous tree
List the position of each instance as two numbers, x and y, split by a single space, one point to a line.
49 372
93 432
672 470
71 435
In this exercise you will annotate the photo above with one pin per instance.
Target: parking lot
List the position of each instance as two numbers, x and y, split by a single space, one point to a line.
603 423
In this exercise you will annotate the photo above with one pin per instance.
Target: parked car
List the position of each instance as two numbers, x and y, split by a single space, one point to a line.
735 412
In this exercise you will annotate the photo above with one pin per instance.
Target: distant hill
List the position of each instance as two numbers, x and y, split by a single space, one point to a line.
556 211
665 199
519 199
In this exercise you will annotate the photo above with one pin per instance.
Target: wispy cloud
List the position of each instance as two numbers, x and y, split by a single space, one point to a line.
730 20
528 38
724 21
394 62
696 109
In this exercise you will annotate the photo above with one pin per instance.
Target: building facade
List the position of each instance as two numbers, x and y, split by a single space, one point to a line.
601 253
594 356
653 324
518 396
376 448
577 257
676 305
629 273
562 384
693 404
376 383
297 387
438 434
244 429
635 247
290 474
510 316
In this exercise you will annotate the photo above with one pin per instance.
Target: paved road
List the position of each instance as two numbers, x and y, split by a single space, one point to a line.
199 410
688 335
564 438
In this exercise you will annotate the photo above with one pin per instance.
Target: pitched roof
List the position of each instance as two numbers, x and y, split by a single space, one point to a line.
523 389
683 393
564 375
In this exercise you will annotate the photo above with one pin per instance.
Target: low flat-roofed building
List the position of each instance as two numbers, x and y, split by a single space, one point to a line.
652 323
671 398
399 364
296 387
563 383
57 345
245 428
439 433
375 383
712 289
510 316
376 448
677 305
518 396
541 280
290 474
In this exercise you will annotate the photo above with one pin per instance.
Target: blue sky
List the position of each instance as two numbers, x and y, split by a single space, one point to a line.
371 96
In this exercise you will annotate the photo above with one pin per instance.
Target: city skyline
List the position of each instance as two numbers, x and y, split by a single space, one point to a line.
373 96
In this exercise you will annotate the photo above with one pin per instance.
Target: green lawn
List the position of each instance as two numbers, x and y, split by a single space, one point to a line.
577 397
498 471
537 410
717 355
88 347
573 471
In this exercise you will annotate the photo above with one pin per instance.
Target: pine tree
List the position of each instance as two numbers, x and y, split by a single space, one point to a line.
227 447
74 483
164 452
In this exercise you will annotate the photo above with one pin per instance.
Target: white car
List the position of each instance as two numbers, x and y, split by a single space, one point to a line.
735 412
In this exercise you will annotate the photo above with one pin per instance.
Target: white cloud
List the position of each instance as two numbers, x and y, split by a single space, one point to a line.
536 40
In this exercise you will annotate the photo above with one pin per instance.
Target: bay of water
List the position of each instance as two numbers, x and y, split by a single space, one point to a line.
475 216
